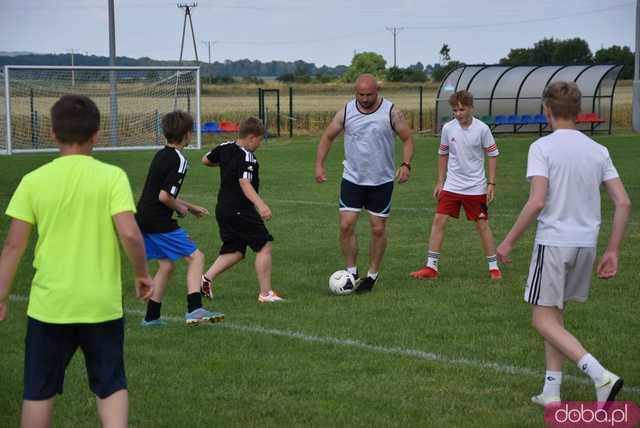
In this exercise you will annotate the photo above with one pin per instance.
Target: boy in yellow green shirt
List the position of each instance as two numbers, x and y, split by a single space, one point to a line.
81 208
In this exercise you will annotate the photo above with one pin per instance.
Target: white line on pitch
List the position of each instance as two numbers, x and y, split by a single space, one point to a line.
393 350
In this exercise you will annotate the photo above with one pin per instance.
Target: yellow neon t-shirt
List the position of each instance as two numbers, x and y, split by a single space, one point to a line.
71 201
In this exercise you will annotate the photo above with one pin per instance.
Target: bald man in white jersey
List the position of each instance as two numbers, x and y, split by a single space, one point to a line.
370 124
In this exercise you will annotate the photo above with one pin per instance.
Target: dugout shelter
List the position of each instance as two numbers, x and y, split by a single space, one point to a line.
508 98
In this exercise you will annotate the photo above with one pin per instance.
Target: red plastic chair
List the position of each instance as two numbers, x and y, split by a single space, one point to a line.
582 118
228 126
594 118
589 118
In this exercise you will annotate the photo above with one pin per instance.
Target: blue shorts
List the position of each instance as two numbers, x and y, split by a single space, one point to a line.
171 245
50 347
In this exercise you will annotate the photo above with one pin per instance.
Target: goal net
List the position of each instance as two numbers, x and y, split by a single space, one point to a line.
131 100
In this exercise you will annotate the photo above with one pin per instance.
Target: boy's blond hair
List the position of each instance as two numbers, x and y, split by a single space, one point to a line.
563 99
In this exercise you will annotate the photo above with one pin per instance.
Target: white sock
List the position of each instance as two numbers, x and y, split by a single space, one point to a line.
373 275
432 259
552 381
493 262
592 367
353 270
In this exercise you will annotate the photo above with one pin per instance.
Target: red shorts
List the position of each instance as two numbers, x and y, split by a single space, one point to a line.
475 206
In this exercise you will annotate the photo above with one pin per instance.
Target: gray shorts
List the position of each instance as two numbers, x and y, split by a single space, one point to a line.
559 274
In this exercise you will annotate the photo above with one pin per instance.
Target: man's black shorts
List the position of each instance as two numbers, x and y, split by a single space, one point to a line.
375 199
49 348
240 229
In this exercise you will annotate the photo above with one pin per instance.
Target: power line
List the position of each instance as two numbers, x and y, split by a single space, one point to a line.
523 21
458 27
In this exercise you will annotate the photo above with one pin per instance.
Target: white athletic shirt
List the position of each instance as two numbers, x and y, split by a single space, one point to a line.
466 148
575 166
369 140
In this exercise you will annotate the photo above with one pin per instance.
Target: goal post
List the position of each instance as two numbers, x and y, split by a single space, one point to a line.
131 100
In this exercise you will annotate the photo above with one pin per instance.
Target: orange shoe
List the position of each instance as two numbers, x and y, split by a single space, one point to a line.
425 272
270 297
495 274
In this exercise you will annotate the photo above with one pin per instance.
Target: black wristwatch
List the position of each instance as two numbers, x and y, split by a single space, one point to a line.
407 165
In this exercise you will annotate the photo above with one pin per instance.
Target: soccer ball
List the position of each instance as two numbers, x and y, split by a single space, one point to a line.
341 282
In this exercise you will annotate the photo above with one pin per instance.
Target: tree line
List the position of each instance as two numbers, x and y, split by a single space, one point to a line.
545 51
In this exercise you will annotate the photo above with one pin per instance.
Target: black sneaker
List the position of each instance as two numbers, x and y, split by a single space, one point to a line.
356 280
366 285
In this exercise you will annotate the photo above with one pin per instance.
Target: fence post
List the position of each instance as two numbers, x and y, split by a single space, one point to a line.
290 112
278 109
156 127
421 111
260 109
34 138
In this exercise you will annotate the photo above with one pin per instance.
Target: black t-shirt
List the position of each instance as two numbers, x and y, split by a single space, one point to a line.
235 163
166 172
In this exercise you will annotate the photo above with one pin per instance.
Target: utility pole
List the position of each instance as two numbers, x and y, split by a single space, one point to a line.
187 6
73 72
636 76
395 31
209 44
112 75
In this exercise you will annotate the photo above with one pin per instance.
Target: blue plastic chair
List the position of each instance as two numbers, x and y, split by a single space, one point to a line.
211 127
501 120
513 120
527 119
540 119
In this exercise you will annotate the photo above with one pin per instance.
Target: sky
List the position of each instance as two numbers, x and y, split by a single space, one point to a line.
325 32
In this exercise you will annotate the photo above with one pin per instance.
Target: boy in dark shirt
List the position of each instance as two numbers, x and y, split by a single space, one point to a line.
240 211
164 239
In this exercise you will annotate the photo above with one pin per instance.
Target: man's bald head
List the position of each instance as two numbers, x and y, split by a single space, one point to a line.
368 82
367 90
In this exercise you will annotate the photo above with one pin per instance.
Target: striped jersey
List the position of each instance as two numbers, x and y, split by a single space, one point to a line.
235 162
369 138
166 172
466 148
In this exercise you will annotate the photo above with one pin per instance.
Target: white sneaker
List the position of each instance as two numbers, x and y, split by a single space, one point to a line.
270 297
609 388
543 401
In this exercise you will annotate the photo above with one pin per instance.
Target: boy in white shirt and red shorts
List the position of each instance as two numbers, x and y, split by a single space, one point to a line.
464 143
566 169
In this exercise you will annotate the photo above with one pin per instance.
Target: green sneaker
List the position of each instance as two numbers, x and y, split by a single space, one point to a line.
201 315
153 323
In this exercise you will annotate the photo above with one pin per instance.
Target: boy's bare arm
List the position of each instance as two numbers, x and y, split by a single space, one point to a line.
529 212
168 200
133 245
491 185
443 161
196 210
608 265
14 246
256 200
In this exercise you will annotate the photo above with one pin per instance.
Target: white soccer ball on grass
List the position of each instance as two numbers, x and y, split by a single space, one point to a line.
341 282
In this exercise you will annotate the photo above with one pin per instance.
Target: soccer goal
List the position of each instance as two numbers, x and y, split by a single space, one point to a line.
132 101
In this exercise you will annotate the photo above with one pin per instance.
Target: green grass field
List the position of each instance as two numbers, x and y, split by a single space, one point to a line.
459 351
